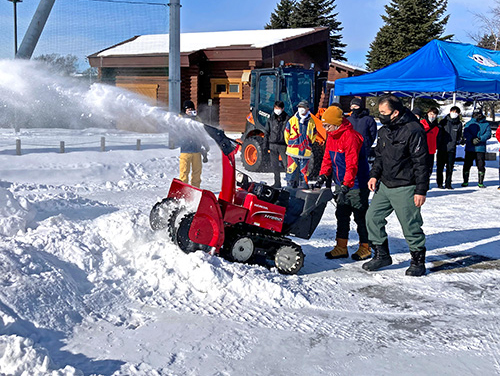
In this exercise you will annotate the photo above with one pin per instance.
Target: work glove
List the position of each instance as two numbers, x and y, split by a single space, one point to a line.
204 153
340 194
476 140
320 181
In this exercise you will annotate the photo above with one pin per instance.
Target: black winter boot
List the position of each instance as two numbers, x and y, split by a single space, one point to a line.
480 180
466 179
417 265
381 257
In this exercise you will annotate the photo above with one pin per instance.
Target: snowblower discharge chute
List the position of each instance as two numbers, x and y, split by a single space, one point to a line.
246 220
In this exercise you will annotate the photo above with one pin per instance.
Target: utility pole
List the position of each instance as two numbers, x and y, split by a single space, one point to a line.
174 58
35 29
15 23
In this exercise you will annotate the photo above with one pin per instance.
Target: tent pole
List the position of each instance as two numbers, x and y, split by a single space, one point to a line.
454 98
412 102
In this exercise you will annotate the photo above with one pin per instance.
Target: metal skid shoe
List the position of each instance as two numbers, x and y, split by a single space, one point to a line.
289 259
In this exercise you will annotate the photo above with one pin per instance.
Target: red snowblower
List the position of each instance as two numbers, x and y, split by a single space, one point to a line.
247 220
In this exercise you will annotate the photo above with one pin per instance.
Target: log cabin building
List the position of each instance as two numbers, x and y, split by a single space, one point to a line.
215 66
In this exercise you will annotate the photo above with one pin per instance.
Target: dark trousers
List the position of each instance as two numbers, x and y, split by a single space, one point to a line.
430 163
357 204
275 151
444 158
470 157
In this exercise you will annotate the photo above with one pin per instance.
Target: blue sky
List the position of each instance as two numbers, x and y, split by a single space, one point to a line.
82 27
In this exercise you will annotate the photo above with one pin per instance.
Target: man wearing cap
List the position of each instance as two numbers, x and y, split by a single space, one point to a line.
192 148
476 132
399 177
300 134
363 123
345 161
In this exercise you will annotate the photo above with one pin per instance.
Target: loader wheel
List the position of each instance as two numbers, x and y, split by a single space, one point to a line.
182 236
315 161
289 259
161 212
241 250
253 153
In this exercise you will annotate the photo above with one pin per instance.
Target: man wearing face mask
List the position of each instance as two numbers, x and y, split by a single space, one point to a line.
300 134
476 132
192 148
400 179
277 147
363 123
430 124
449 136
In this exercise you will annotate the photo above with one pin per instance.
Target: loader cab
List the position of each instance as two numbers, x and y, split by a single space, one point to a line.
290 84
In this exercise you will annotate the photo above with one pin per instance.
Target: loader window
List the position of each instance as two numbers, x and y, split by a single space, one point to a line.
299 87
267 89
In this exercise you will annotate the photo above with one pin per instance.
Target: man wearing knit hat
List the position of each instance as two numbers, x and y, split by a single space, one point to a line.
346 162
300 134
363 123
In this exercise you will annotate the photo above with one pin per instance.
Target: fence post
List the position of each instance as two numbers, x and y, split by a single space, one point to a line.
18 146
61 147
103 143
138 145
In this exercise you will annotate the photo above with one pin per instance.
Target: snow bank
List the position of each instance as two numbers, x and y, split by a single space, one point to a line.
21 357
15 214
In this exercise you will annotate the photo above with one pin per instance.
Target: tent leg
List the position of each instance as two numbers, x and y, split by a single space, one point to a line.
454 99
412 103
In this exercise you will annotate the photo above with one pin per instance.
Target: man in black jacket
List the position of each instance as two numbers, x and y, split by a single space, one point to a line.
399 177
363 123
449 136
277 146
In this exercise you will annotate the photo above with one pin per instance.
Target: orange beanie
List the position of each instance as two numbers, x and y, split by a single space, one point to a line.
333 115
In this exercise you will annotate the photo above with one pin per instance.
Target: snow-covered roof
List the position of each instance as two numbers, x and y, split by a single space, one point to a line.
349 66
159 43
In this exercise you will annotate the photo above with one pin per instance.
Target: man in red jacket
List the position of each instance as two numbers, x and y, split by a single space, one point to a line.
346 162
430 124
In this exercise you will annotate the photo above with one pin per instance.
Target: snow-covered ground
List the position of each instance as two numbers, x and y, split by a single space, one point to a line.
88 288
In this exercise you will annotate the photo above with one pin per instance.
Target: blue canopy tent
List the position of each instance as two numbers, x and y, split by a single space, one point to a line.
439 70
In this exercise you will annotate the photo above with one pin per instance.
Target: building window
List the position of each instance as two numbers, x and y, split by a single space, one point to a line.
226 88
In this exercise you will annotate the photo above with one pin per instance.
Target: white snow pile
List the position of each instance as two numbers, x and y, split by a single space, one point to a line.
15 215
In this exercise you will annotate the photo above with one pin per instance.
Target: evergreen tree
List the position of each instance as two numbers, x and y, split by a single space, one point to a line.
409 25
310 13
281 18
489 41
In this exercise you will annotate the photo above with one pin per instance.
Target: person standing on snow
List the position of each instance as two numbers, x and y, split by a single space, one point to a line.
363 123
300 134
449 136
431 128
277 147
191 150
345 161
400 179
476 132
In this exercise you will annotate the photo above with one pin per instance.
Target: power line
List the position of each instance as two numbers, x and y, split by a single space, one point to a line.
129 2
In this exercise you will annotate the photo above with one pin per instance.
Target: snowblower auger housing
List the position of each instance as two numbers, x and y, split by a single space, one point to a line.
246 220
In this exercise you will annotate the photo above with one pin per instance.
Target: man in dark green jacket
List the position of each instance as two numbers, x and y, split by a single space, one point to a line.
399 177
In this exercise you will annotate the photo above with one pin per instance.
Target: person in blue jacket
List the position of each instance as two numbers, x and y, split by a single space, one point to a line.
476 132
363 123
